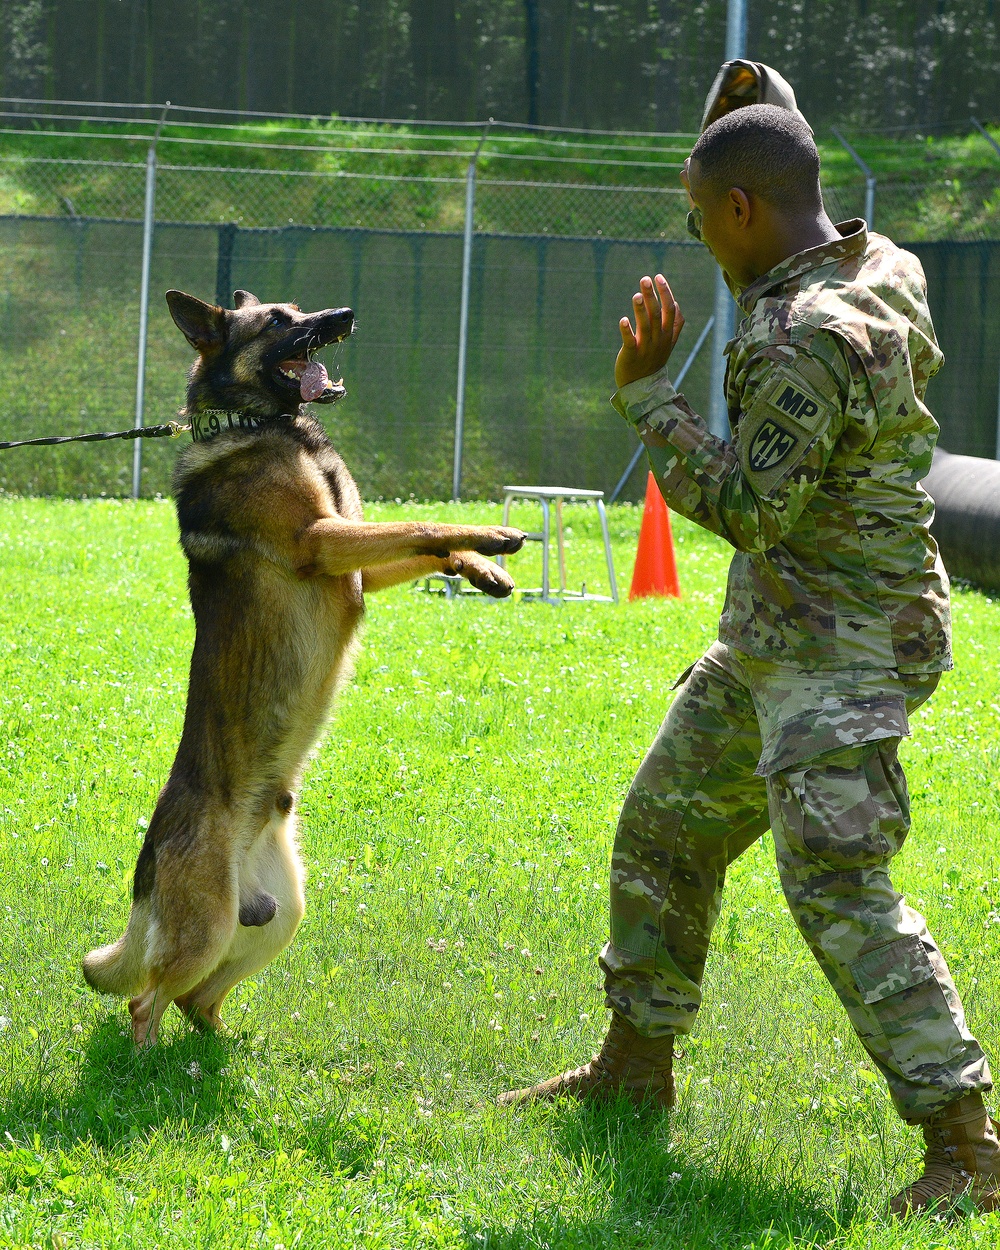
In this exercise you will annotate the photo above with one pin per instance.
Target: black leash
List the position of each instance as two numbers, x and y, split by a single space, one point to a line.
170 430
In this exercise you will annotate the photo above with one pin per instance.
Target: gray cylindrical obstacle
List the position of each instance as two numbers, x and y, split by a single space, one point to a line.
966 494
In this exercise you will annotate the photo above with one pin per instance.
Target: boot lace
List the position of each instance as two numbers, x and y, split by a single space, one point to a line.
942 1175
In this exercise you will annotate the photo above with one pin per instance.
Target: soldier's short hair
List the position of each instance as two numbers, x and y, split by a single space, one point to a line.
765 151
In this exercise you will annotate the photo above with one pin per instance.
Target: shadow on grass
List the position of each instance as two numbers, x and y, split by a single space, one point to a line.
733 1195
343 1140
118 1094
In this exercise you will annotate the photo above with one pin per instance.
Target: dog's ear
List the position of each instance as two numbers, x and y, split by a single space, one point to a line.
203 325
244 299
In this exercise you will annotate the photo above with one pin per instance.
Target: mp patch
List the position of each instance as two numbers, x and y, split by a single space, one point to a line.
796 403
770 446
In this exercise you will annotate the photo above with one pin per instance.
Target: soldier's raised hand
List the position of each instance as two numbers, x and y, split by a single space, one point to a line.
658 322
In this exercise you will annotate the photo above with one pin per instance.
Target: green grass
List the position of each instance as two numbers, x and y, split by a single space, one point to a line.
456 824
338 145
929 186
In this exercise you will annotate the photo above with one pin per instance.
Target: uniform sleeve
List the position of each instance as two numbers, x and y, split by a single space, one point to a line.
753 490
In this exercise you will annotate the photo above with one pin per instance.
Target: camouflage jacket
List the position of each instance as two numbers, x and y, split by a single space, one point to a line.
819 490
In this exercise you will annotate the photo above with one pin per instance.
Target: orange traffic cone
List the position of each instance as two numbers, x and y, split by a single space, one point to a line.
655 567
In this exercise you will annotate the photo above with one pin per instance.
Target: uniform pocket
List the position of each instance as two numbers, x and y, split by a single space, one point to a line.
830 810
898 984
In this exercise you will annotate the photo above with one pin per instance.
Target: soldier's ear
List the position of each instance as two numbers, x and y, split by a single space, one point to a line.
244 299
203 325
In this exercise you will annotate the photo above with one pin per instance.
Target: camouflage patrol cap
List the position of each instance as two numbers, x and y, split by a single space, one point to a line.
742 82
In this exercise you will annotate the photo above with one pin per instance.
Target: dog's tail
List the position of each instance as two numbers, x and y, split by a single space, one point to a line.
121 967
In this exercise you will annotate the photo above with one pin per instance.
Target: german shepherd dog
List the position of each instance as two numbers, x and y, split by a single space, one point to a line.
279 560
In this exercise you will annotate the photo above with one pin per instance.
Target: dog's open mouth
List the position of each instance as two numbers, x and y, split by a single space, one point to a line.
310 379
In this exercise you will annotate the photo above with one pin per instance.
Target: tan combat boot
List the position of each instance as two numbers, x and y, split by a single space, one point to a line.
627 1063
962 1159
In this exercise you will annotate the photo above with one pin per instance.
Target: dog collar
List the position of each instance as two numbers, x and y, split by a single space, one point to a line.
212 421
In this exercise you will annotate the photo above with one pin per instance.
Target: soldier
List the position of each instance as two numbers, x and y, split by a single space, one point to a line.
835 628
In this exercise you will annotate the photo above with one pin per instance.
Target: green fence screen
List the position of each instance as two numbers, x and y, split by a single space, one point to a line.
543 334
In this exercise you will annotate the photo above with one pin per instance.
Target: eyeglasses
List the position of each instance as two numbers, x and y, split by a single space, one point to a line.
694 224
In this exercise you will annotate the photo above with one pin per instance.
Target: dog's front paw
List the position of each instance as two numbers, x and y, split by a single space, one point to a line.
501 541
486 576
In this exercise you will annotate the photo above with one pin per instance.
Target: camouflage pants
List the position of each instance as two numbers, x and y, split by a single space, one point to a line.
749 745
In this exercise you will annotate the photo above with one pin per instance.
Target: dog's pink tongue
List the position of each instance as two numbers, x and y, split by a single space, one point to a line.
313 381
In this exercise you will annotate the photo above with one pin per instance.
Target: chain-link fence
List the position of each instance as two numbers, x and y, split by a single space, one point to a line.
543 324
952 209
553 265
49 187
391 247
956 208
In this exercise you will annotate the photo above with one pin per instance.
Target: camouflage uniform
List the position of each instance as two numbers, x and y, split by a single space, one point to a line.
835 625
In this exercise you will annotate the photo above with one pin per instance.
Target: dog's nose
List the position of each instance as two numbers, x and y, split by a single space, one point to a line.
335 324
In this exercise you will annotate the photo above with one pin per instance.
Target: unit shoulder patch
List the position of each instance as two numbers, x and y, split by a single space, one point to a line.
770 446
782 421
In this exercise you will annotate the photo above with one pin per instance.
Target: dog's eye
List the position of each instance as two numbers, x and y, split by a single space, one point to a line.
275 319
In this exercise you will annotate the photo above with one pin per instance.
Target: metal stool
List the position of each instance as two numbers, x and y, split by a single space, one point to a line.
450 587
544 495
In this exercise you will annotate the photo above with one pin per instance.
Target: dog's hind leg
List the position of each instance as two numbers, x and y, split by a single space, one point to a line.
146 1010
271 906
195 907
174 980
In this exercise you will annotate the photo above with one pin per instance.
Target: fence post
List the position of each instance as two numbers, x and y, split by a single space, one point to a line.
149 211
224 263
869 178
723 305
996 148
986 134
736 29
724 320
997 456
463 316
